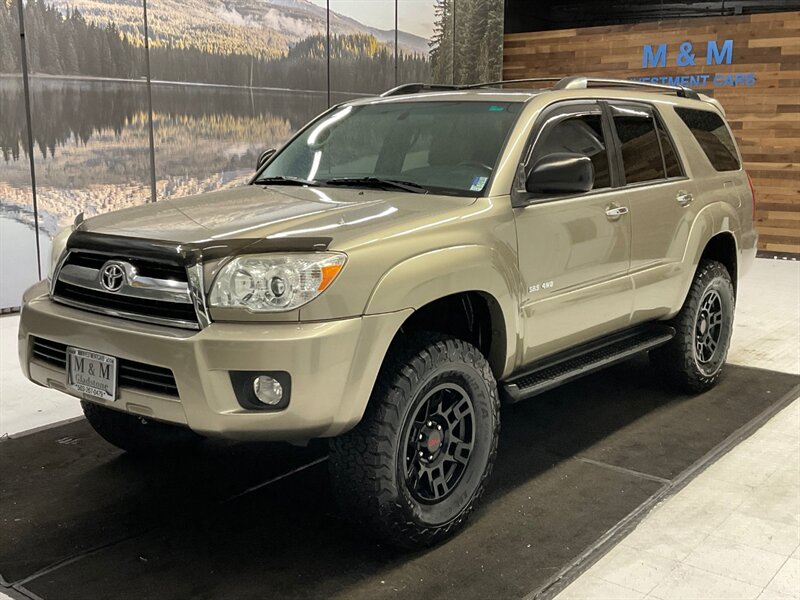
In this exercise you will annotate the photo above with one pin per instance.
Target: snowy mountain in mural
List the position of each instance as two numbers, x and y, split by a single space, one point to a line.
259 27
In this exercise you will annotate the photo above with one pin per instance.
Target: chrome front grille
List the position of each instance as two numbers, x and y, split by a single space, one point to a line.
137 289
145 268
132 374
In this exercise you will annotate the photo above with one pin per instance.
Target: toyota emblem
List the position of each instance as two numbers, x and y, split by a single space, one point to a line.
112 276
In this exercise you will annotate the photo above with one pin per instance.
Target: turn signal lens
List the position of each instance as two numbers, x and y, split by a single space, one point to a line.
329 273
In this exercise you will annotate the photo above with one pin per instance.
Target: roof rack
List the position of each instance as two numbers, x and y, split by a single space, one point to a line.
416 88
474 86
581 83
578 82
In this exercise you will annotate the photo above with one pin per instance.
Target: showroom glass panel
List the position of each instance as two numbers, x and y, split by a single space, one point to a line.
711 133
229 82
671 162
89 108
362 47
577 135
641 153
422 55
478 41
18 258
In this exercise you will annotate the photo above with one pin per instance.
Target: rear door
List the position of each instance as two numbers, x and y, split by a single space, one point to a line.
573 250
662 205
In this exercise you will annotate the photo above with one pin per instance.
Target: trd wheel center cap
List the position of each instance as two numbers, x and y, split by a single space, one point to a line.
434 441
703 326
430 441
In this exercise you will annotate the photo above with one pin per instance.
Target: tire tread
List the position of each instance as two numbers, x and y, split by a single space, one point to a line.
676 359
362 460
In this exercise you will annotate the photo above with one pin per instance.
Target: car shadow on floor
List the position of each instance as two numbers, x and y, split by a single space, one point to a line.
571 464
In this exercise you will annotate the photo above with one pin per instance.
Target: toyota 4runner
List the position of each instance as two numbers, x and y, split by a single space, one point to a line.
397 268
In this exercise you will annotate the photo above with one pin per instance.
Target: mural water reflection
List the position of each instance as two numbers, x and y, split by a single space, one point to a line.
92 151
91 144
209 138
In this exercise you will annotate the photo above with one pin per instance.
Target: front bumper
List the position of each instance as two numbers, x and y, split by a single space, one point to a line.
333 366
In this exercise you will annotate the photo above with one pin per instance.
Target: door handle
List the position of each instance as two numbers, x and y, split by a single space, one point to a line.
615 212
684 198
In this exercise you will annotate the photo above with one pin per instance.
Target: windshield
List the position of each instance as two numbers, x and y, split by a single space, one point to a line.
444 147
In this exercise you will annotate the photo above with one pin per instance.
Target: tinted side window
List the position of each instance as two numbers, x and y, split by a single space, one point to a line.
710 132
641 153
579 135
670 156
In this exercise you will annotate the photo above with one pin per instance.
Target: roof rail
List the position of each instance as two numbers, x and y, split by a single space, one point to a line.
582 83
416 88
577 82
473 86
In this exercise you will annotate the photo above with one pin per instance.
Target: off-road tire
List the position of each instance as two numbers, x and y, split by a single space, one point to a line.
134 434
368 464
679 360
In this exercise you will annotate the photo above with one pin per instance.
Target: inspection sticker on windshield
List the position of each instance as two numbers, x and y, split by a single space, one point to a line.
477 183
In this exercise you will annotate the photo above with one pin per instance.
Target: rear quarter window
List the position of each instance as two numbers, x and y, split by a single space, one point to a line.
710 131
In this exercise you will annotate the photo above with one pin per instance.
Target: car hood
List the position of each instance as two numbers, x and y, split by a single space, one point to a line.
274 212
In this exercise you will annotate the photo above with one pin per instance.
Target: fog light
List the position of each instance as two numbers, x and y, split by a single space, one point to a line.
268 390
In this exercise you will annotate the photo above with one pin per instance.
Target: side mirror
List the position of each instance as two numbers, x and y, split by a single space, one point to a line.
264 157
561 173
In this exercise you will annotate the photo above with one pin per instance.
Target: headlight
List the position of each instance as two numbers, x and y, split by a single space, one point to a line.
273 283
57 247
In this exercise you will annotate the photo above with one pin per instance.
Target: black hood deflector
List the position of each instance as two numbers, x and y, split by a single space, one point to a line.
184 255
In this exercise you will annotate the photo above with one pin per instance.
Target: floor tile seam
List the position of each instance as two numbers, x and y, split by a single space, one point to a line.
785 562
647 593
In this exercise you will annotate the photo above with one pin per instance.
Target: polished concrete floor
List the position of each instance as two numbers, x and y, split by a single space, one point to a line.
733 532
577 472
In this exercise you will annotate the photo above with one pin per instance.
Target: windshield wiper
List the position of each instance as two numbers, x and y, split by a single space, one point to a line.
281 180
377 182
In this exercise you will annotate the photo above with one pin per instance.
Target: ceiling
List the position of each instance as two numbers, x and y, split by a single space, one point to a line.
542 15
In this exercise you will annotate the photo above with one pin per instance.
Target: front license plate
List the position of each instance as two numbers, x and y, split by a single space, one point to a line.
91 373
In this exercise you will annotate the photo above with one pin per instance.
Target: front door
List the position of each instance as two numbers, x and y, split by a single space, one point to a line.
574 251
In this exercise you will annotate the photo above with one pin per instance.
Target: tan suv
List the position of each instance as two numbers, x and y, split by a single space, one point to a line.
394 270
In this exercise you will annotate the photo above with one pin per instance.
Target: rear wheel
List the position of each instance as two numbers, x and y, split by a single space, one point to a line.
134 434
694 358
412 470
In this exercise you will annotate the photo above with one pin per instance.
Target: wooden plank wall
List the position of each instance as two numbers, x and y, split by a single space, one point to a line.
765 117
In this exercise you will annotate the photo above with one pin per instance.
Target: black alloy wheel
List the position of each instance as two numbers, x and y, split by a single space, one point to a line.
439 443
412 470
692 361
708 328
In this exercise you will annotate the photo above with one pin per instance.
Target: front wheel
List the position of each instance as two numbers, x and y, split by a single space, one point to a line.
693 359
412 470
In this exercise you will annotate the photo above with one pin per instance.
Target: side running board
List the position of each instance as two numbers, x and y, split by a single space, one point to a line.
553 371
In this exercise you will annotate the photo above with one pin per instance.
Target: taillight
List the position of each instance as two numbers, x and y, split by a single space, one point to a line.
753 194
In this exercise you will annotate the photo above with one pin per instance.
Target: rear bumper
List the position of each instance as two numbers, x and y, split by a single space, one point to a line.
748 246
333 366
